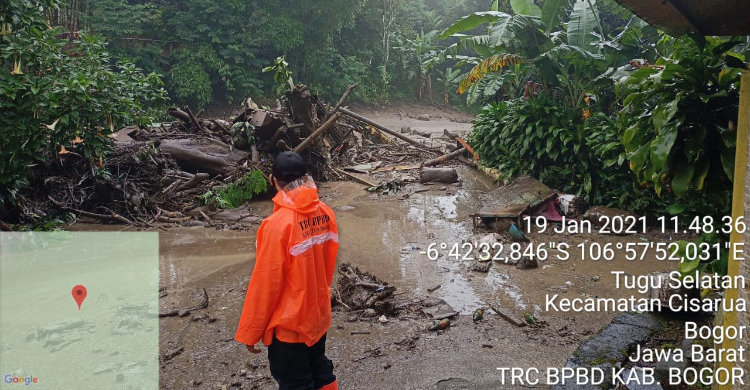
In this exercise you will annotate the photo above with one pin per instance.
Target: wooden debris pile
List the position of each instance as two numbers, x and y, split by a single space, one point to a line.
357 290
159 173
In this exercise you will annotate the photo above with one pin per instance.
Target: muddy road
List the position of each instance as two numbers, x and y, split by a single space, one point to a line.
377 234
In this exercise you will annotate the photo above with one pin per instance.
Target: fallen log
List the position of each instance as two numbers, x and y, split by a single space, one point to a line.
282 146
254 154
300 99
441 175
276 136
468 147
444 158
164 219
178 174
222 127
380 127
317 133
203 155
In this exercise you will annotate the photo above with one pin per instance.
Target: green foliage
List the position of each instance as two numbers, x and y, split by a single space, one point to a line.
545 138
213 51
526 7
418 57
189 79
679 117
236 194
553 62
62 94
540 137
282 76
576 59
617 183
583 21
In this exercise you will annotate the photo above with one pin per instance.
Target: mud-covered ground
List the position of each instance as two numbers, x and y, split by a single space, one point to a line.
377 234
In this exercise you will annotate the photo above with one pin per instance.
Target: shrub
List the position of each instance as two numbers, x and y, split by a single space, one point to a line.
58 94
545 138
235 194
540 137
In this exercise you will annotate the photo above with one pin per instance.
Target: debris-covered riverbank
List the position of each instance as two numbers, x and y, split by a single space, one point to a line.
168 173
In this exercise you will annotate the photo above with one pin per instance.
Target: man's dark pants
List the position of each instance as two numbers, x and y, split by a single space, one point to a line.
295 366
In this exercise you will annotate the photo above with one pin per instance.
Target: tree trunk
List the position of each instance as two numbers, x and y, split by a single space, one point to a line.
441 175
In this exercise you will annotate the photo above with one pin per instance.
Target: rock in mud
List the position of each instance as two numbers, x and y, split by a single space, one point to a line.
420 133
482 266
664 293
424 117
527 263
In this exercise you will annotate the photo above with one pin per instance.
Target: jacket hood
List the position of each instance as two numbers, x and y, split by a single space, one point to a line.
300 195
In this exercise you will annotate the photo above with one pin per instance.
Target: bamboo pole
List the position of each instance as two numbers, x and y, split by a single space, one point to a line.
444 158
322 129
380 127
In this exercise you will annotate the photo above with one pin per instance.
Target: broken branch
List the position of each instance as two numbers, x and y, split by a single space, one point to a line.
335 109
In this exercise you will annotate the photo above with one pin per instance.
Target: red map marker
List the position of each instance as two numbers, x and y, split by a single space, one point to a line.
79 294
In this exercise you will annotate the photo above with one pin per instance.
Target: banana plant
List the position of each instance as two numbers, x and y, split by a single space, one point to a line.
418 57
560 59
449 79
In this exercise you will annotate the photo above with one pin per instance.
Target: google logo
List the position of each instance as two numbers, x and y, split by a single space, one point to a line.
23 381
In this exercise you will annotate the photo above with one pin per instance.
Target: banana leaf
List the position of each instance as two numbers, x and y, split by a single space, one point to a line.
473 21
525 7
583 21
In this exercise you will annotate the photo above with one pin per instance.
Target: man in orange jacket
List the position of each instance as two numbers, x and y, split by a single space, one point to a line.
288 302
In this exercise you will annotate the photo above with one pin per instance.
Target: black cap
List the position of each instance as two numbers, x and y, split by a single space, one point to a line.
288 167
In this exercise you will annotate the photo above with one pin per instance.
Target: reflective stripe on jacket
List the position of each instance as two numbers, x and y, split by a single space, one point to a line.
290 289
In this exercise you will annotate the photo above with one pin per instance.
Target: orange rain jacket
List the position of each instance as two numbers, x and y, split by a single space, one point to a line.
290 289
